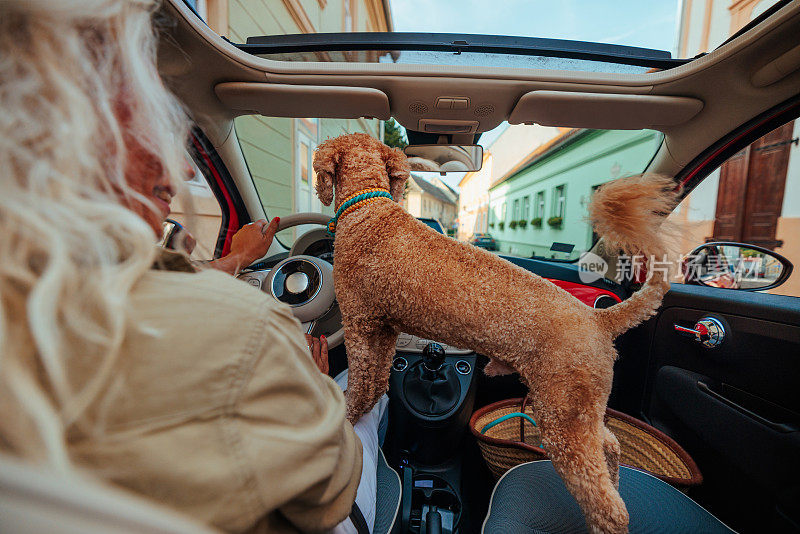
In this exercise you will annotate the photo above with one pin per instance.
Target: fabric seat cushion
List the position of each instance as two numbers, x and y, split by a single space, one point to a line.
531 499
388 497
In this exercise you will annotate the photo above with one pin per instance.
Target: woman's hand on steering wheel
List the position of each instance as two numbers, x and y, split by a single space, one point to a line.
253 240
250 243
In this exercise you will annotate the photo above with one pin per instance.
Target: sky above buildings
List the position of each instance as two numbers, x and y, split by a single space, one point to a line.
643 23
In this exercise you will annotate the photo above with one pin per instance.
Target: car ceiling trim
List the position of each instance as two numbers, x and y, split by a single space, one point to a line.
283 100
603 110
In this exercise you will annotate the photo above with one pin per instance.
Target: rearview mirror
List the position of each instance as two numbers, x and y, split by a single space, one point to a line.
444 158
735 266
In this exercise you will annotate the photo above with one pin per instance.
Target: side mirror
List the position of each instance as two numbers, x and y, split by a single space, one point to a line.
176 237
735 266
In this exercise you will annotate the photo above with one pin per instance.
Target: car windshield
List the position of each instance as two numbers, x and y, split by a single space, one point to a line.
530 195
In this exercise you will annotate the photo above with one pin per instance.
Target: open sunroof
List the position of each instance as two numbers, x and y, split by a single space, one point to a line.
459 50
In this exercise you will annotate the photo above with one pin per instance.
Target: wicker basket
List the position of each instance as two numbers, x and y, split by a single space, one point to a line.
515 440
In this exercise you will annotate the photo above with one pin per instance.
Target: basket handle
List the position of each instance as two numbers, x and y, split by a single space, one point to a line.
522 417
522 420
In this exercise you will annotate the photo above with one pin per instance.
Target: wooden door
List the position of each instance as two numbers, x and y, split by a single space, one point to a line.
731 197
750 195
769 160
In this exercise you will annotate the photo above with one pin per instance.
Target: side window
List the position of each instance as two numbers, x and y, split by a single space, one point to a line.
198 212
752 198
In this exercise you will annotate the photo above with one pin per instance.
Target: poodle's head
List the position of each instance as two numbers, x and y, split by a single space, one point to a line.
350 163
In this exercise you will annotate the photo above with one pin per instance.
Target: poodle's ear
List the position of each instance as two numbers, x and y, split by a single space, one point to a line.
397 168
326 158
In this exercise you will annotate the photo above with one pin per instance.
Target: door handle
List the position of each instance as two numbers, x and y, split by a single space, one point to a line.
708 331
780 427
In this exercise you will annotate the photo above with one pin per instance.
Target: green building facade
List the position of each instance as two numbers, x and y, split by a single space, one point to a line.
279 154
557 184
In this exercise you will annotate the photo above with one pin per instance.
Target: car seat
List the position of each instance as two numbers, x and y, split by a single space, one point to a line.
532 499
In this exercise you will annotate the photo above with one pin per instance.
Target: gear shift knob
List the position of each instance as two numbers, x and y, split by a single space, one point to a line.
433 356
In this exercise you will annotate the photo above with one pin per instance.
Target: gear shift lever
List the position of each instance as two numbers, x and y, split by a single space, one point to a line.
432 358
432 388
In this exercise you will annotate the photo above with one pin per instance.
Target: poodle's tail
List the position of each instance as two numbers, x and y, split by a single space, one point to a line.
629 213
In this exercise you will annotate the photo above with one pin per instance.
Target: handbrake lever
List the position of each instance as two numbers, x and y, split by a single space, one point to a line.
405 500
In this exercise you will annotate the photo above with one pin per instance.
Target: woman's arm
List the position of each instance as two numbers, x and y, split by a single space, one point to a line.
306 457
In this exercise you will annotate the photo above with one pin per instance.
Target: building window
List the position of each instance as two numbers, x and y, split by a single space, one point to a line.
349 15
503 212
304 162
559 201
200 7
515 214
538 210
305 198
526 207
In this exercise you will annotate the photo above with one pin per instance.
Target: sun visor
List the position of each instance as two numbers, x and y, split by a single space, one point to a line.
603 111
279 100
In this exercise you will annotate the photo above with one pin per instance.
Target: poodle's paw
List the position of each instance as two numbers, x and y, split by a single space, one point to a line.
613 520
355 410
353 414
495 368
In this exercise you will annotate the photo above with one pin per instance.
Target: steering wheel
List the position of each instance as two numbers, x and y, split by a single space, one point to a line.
306 284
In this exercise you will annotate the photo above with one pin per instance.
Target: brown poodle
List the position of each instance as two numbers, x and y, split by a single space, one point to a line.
395 274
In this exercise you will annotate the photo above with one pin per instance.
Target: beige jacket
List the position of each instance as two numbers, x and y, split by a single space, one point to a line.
217 410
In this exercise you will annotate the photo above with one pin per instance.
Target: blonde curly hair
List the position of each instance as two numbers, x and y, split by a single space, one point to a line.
70 250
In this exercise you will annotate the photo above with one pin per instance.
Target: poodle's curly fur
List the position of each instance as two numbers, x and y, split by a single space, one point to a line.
395 274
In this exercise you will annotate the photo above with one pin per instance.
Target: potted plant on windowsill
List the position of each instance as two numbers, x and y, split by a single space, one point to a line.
522 223
501 225
512 224
491 225
555 222
536 222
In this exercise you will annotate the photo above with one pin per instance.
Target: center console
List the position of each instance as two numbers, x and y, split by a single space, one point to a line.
431 390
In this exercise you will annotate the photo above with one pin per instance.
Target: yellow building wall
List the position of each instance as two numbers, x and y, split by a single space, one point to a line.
789 231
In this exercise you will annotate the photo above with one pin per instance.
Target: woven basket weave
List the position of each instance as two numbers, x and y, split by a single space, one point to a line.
643 447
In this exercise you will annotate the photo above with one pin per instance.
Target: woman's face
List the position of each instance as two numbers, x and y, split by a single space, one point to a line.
145 174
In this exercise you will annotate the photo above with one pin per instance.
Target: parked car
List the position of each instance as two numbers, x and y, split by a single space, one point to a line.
433 223
483 241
